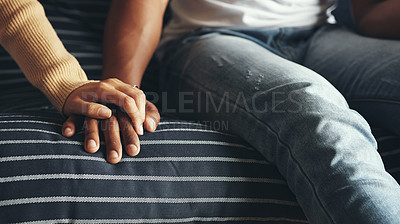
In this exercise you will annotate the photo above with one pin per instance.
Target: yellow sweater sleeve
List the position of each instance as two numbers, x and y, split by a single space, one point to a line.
30 39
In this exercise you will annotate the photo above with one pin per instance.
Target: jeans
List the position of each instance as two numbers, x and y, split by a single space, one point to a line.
257 83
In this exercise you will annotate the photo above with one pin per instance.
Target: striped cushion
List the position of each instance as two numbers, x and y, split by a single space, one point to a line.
185 172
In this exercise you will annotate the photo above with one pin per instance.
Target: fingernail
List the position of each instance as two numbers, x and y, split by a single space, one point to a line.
140 129
132 149
103 112
91 144
113 155
152 124
67 131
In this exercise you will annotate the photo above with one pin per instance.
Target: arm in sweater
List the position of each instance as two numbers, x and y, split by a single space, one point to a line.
30 39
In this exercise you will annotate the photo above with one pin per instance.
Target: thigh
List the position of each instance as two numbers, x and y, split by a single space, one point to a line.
294 117
229 64
365 70
265 98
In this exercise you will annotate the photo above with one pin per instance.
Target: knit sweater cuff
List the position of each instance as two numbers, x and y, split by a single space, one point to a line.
58 93
30 39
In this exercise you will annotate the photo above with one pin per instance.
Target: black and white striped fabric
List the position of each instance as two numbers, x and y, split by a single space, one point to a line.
186 172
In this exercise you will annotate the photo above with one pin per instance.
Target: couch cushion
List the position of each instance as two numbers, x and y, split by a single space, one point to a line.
185 172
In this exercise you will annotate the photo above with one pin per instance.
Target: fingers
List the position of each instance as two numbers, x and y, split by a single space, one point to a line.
112 139
83 101
129 136
138 114
69 126
92 140
132 100
152 117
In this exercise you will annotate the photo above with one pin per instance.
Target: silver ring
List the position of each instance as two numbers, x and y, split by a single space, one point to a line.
135 86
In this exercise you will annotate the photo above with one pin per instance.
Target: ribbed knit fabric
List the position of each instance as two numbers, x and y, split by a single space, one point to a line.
28 36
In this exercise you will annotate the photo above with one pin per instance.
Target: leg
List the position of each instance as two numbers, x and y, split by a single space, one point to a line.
365 70
297 120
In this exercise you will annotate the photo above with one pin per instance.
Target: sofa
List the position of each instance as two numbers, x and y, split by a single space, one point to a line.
186 172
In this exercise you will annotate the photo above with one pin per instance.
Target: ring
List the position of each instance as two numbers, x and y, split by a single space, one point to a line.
135 86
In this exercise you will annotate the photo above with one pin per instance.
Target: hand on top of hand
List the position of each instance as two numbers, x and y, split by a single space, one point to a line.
135 111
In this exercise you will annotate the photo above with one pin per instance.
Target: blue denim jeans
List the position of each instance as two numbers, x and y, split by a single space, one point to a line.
257 83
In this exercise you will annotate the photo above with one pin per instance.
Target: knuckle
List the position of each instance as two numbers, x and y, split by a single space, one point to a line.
140 94
128 103
104 85
139 118
136 113
90 124
128 100
113 142
130 139
101 88
90 132
112 80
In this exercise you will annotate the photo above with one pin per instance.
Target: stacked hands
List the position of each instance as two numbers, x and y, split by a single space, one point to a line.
85 106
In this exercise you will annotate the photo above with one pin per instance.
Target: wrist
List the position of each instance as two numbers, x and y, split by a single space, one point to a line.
135 80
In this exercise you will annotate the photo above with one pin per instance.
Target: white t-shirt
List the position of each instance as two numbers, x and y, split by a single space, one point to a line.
188 15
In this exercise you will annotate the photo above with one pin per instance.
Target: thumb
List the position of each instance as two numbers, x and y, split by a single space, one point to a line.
88 109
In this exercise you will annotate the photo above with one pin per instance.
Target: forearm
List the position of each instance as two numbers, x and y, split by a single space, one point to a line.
377 18
132 32
30 39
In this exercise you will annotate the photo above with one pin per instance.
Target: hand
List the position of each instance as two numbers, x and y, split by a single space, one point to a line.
83 101
112 128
